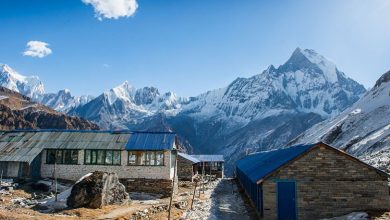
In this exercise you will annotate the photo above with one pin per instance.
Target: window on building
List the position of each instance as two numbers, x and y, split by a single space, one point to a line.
146 158
50 156
132 158
102 157
108 157
61 156
159 158
116 157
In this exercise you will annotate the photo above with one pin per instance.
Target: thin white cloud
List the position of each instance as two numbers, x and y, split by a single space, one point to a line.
105 65
37 49
113 9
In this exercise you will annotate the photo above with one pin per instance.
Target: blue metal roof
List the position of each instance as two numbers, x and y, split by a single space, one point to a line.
259 165
209 158
151 141
189 157
70 130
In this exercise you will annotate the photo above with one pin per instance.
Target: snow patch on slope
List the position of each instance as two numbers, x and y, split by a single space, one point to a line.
362 130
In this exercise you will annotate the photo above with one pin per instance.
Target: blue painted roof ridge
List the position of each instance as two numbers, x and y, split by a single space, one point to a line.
258 165
151 141
86 131
274 150
155 132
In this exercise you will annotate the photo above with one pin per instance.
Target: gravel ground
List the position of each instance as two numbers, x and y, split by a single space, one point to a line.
221 200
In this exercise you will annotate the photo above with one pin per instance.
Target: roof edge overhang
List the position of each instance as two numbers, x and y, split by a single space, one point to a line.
322 144
355 159
287 163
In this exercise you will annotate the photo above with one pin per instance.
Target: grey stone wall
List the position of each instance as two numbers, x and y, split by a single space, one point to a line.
74 172
328 184
157 186
184 169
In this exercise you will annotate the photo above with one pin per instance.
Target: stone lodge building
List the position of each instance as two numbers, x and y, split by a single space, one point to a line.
191 165
311 182
144 161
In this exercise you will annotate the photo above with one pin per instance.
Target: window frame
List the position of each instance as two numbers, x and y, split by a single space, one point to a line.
95 151
141 158
62 160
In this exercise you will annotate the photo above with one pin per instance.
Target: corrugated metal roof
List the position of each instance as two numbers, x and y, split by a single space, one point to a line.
68 130
257 166
151 141
209 158
189 157
24 146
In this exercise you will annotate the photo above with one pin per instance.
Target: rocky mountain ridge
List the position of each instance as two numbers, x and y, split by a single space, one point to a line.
362 130
20 112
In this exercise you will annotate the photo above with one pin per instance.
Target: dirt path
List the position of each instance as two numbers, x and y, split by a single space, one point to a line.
228 203
119 212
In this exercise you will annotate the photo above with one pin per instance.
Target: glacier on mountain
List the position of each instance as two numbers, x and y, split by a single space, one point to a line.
27 85
362 130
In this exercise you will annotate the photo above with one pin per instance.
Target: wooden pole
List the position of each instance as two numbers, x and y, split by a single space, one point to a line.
55 180
173 187
193 196
203 177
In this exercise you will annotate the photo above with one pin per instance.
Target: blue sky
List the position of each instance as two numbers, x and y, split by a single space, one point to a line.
190 46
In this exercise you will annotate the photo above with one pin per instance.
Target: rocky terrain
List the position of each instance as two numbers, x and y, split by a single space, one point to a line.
362 130
20 112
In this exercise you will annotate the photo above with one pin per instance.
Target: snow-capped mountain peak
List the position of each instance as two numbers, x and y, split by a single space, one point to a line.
313 62
27 85
146 95
362 130
306 83
124 92
383 79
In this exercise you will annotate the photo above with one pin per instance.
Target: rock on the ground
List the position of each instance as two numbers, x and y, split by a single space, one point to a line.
97 190
352 216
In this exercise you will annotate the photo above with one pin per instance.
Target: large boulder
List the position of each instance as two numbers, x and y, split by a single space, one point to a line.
96 190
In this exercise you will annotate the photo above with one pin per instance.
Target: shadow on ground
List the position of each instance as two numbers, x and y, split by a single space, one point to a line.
229 202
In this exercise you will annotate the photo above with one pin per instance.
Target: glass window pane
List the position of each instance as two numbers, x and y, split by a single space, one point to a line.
108 157
132 158
87 156
100 157
147 159
94 156
160 158
67 157
74 156
50 156
143 158
117 157
59 156
152 158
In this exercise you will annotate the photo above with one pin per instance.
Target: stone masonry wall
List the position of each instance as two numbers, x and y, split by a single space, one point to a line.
160 186
328 184
184 169
74 172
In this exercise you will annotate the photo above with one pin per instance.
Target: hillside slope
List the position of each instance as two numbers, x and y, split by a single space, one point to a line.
362 130
19 112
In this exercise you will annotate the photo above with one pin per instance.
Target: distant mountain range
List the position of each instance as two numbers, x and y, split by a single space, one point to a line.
362 130
20 112
262 112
